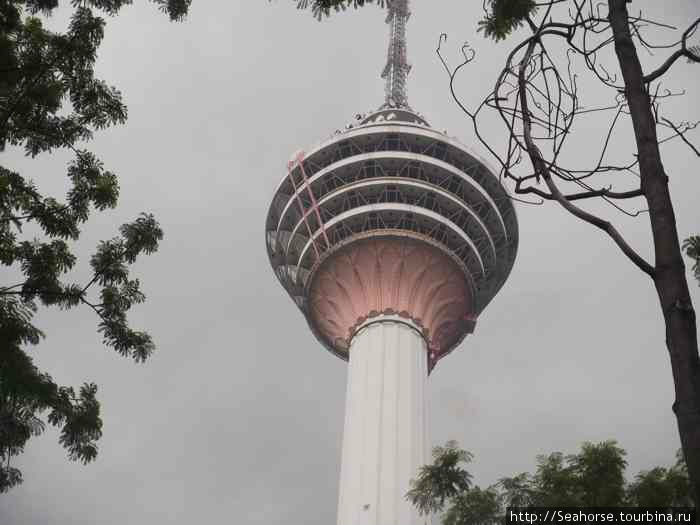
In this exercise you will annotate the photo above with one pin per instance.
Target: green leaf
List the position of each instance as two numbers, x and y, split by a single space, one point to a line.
692 249
442 480
52 99
505 16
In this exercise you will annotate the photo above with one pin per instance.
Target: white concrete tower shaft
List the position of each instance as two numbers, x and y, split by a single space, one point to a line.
385 437
398 301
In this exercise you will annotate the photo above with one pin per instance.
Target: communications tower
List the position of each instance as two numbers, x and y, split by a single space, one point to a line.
391 238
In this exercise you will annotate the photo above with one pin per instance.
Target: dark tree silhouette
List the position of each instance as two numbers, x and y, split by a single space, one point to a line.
442 480
692 250
538 99
595 476
50 99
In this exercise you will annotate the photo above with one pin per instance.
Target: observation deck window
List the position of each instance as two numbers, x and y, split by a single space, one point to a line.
332 183
345 149
373 220
372 169
392 194
441 150
414 170
393 142
353 201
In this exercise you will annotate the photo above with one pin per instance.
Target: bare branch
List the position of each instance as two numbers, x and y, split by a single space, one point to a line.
542 170
606 192
681 133
682 52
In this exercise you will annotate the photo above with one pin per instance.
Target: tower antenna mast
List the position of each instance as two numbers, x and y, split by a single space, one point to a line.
397 67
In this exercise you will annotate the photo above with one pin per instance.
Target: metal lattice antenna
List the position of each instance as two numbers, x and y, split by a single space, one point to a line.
397 67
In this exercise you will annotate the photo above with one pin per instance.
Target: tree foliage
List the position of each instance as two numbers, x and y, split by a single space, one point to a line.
476 506
502 17
599 473
321 8
595 476
51 99
543 100
692 249
662 487
442 480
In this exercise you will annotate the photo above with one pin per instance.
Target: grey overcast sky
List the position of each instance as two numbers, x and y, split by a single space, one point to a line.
238 416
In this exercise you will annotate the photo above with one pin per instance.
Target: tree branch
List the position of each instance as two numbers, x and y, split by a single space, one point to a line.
543 170
681 134
682 52
583 195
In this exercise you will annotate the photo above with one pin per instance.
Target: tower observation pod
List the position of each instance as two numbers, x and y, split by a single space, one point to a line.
391 238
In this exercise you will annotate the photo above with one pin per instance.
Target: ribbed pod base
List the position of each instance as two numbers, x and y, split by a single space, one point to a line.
385 436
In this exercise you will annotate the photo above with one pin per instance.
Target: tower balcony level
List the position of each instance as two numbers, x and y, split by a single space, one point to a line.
391 217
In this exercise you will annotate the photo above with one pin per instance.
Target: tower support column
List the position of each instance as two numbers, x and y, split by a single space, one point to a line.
385 436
